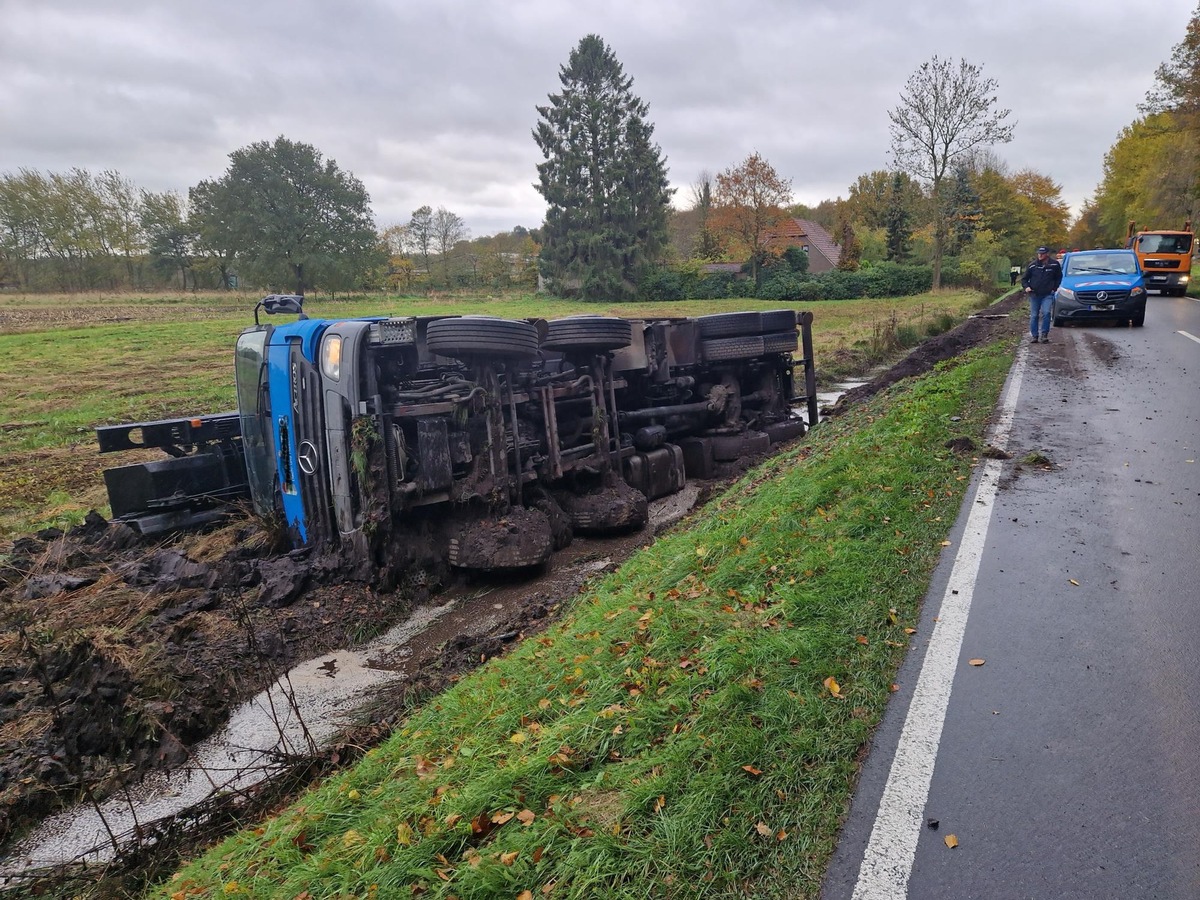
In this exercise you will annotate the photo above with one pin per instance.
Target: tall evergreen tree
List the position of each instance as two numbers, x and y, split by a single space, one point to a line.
962 210
603 179
898 217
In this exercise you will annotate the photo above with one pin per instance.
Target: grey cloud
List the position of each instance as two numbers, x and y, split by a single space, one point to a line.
433 103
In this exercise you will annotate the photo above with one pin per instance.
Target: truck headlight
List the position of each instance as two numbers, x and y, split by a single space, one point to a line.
331 357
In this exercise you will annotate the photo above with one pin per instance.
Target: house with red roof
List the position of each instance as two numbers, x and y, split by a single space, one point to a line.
823 253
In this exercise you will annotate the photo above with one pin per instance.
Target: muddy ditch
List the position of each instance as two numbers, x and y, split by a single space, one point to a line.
119 656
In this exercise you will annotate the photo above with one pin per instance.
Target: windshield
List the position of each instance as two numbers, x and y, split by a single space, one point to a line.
250 371
1165 243
1102 263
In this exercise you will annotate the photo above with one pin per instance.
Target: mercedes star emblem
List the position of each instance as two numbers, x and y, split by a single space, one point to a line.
1103 295
307 457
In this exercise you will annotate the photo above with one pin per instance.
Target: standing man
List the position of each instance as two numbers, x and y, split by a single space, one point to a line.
1013 274
1041 280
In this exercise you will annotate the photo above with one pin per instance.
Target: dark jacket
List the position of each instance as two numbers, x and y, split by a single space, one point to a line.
1043 278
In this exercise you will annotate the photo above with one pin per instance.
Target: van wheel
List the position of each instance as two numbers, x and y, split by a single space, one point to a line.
1139 318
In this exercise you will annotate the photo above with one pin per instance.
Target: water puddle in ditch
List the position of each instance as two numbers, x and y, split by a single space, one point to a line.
301 711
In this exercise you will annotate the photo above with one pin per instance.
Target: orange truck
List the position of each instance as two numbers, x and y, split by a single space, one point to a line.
1165 257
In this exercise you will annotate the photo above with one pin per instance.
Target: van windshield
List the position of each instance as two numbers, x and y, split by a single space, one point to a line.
1102 263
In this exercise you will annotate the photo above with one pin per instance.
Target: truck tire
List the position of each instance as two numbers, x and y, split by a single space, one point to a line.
467 336
782 342
778 320
732 324
595 334
722 349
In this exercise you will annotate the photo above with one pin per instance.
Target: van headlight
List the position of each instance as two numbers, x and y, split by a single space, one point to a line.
331 357
1137 292
1066 294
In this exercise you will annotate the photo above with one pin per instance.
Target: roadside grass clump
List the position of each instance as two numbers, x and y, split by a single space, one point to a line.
693 726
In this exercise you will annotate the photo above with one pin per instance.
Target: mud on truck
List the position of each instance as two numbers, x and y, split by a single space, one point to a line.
487 442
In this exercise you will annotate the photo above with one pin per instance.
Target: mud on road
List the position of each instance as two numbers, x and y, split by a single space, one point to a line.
118 653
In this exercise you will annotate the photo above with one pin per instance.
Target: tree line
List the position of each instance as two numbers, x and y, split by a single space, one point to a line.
283 217
280 218
1152 172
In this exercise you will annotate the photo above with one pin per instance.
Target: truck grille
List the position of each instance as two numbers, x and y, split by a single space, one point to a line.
1161 264
1112 296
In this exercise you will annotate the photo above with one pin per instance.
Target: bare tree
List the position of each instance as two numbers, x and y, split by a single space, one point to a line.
448 230
420 235
705 244
946 112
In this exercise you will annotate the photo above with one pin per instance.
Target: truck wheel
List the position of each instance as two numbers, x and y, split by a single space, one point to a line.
745 347
778 320
593 333
730 324
464 336
519 539
783 342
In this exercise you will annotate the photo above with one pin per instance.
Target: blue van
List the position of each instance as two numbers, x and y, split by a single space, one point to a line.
1101 284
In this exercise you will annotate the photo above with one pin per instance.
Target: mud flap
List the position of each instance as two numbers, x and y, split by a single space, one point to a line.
516 540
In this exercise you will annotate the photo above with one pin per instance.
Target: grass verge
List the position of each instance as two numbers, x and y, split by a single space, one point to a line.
694 726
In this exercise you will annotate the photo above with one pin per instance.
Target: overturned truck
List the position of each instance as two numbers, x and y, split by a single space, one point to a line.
485 441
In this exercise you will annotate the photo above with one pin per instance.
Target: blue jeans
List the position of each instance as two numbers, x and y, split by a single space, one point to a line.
1040 309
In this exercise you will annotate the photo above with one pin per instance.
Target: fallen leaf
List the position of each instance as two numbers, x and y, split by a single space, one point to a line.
501 817
752 770
975 662
518 738
763 828
833 687
525 895
910 631
945 543
781 835
510 857
893 687
404 834
1074 582
862 639
951 841
526 816
660 803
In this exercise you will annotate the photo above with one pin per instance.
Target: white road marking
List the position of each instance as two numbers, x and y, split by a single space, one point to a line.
892 848
1190 337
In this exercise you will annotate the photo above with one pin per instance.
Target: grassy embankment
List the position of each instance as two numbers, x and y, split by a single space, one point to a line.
693 726
70 363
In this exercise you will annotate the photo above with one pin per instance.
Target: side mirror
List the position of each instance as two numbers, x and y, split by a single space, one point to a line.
280 303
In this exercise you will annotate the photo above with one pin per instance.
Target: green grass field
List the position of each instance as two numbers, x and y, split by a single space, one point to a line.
70 363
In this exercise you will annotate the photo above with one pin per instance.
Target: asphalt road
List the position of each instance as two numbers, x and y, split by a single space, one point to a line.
1067 765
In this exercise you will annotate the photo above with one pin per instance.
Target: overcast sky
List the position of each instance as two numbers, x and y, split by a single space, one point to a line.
434 102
